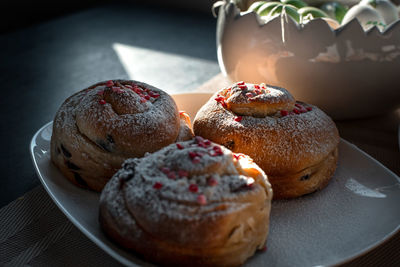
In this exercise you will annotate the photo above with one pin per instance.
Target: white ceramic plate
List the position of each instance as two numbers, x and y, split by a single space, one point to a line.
355 213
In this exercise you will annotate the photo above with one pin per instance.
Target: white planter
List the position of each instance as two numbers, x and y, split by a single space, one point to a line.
347 72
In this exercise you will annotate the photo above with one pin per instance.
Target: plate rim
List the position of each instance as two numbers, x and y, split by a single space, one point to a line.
110 251
121 259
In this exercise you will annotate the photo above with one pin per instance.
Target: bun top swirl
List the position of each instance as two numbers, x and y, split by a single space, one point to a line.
175 192
125 118
101 126
257 100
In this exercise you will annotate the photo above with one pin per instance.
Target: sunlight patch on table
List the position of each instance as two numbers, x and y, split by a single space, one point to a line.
171 72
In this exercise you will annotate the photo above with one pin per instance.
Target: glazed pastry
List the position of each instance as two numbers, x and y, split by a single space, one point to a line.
96 129
191 203
295 143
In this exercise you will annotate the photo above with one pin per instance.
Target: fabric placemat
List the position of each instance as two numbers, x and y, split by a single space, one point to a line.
34 232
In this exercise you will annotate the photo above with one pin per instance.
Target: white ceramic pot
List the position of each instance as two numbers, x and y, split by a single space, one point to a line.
347 72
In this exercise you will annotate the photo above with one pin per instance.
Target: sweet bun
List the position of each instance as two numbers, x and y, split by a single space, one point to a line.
191 203
96 129
295 143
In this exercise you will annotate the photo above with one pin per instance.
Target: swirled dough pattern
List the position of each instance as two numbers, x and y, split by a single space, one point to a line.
192 203
96 129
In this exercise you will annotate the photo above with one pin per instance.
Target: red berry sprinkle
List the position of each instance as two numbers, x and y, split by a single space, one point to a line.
179 146
256 86
243 87
109 83
212 181
195 157
147 97
217 151
298 105
202 145
238 118
284 113
192 154
216 148
201 199
138 90
165 170
249 94
183 173
238 156
102 102
171 175
157 185
152 94
240 83
295 110
193 188
309 108
207 142
219 98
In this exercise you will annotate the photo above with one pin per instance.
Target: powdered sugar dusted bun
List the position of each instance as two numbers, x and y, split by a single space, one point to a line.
293 142
96 129
193 202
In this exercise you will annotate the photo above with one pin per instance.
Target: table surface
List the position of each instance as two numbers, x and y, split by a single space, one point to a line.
174 50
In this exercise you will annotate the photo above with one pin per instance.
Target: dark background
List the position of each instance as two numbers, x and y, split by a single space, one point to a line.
21 13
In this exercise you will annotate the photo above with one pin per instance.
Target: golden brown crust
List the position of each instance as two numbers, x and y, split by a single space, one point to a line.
306 181
185 131
282 141
219 223
96 129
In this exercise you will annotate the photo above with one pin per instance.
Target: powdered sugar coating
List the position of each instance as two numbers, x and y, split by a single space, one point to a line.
279 143
174 199
125 117
259 93
213 211
257 100
108 122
